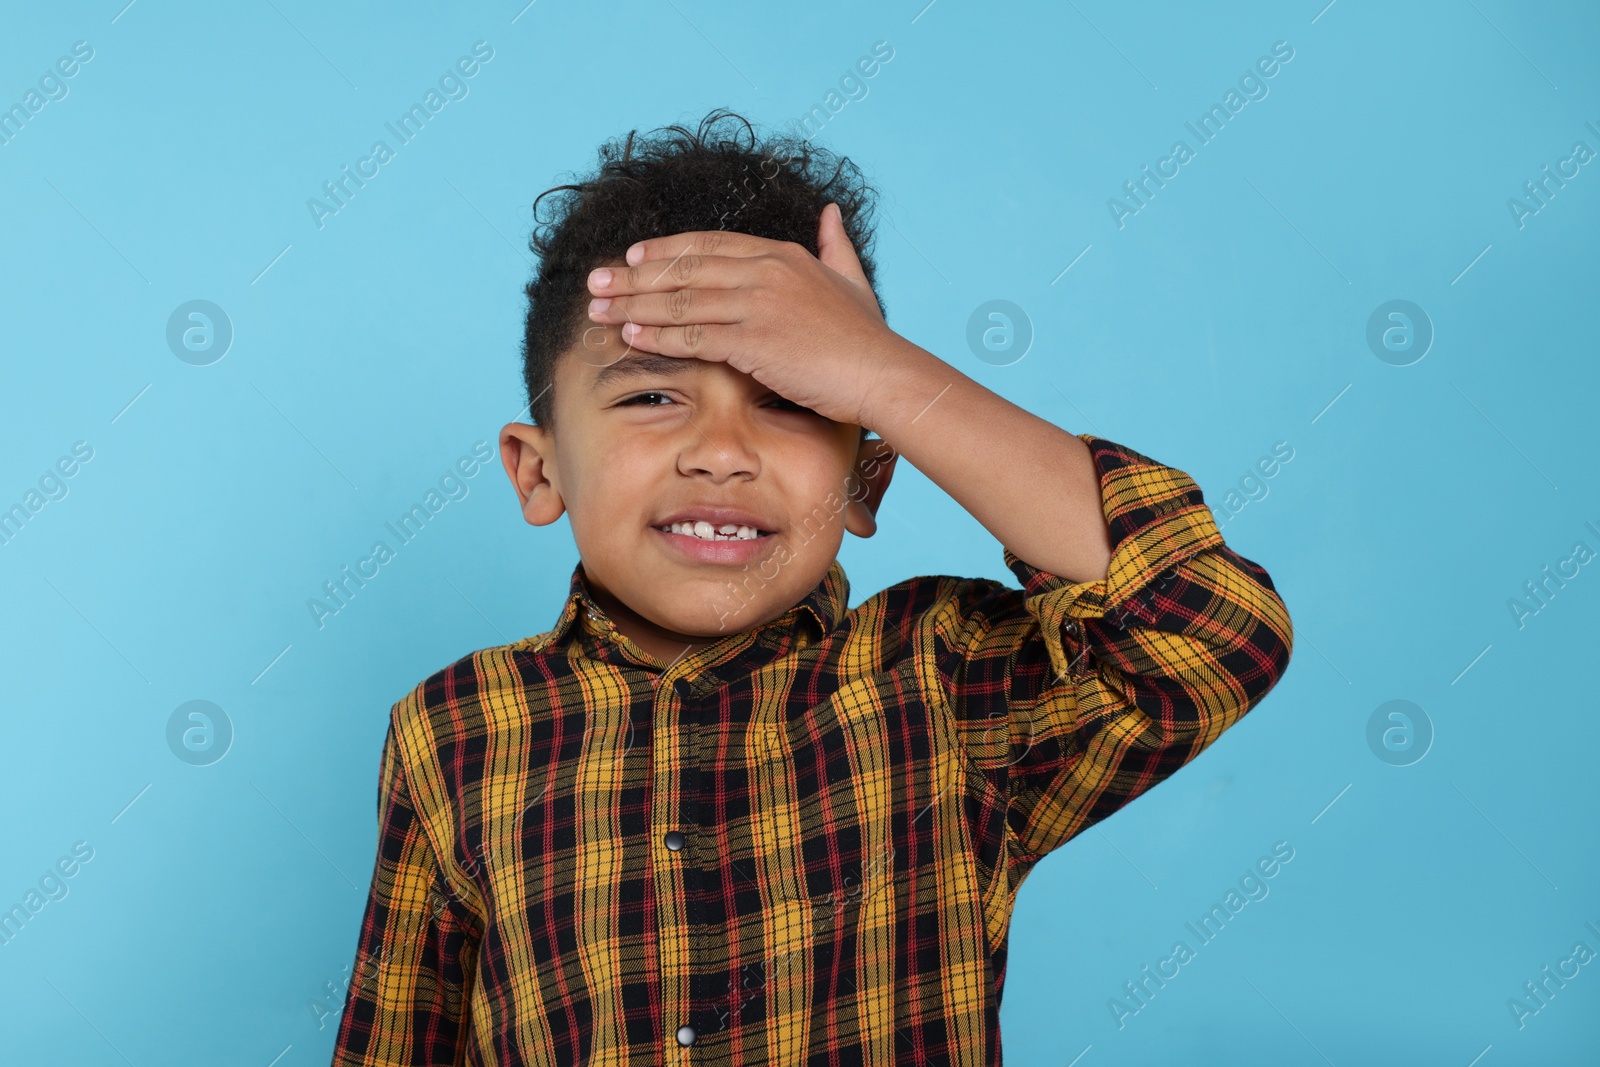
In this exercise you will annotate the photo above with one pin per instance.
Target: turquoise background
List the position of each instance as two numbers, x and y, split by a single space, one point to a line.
1230 313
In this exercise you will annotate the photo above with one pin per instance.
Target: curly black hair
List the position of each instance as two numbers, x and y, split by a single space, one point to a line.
647 187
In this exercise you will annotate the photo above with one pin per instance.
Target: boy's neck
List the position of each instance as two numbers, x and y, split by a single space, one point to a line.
663 645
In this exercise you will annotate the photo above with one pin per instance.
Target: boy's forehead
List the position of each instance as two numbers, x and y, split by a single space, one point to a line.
601 358
642 365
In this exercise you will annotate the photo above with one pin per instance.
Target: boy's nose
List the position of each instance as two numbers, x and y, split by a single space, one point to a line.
720 447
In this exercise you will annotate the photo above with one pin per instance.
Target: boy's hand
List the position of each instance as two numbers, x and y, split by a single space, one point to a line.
808 328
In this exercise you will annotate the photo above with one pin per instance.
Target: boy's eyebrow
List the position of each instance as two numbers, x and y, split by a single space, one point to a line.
638 365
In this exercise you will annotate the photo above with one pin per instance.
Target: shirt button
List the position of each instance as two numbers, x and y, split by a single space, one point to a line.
673 840
1072 628
681 687
686 1036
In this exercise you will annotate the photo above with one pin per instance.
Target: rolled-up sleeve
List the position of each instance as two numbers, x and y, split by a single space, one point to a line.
409 988
1073 698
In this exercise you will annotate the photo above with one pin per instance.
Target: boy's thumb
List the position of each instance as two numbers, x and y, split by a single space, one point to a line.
834 247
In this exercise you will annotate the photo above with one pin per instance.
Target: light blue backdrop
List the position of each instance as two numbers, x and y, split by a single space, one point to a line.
1436 868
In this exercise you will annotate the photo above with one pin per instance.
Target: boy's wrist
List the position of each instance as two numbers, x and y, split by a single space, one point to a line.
909 379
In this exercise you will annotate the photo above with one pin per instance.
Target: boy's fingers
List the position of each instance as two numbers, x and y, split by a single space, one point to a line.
697 340
703 242
677 307
660 276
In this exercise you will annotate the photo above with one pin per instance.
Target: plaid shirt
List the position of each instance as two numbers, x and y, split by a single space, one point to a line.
802 843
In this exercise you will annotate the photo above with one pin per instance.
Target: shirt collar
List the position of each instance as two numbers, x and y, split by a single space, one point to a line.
823 607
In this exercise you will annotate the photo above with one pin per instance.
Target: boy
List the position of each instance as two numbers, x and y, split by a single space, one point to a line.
715 815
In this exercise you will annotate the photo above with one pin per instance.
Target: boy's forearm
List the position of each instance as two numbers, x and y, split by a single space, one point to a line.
1031 484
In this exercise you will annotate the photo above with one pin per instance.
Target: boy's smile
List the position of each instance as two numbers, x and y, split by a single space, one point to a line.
716 534
702 502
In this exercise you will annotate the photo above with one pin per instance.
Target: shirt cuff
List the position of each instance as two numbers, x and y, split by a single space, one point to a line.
1157 518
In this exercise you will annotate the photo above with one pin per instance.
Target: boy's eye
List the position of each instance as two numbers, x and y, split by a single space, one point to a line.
657 399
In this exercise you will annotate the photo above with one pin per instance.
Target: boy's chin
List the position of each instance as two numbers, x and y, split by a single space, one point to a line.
733 617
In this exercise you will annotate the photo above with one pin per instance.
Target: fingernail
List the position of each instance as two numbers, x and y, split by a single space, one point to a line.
599 304
599 279
635 254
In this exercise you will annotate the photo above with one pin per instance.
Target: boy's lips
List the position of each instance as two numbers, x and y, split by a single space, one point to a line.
735 535
732 550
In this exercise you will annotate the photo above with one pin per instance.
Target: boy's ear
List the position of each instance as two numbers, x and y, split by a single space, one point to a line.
528 453
875 460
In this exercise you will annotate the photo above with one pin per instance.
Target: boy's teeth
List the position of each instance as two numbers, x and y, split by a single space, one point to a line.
728 531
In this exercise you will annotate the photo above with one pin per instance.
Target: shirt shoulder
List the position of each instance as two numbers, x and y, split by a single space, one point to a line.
937 605
477 689
443 727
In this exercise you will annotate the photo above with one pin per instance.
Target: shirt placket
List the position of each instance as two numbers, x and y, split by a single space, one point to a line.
676 783
674 818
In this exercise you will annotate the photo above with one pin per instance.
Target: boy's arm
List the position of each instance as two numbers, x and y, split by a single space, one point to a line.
1033 485
1073 697
407 1002
1140 638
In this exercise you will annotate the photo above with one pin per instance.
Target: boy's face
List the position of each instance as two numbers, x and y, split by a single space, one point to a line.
643 442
